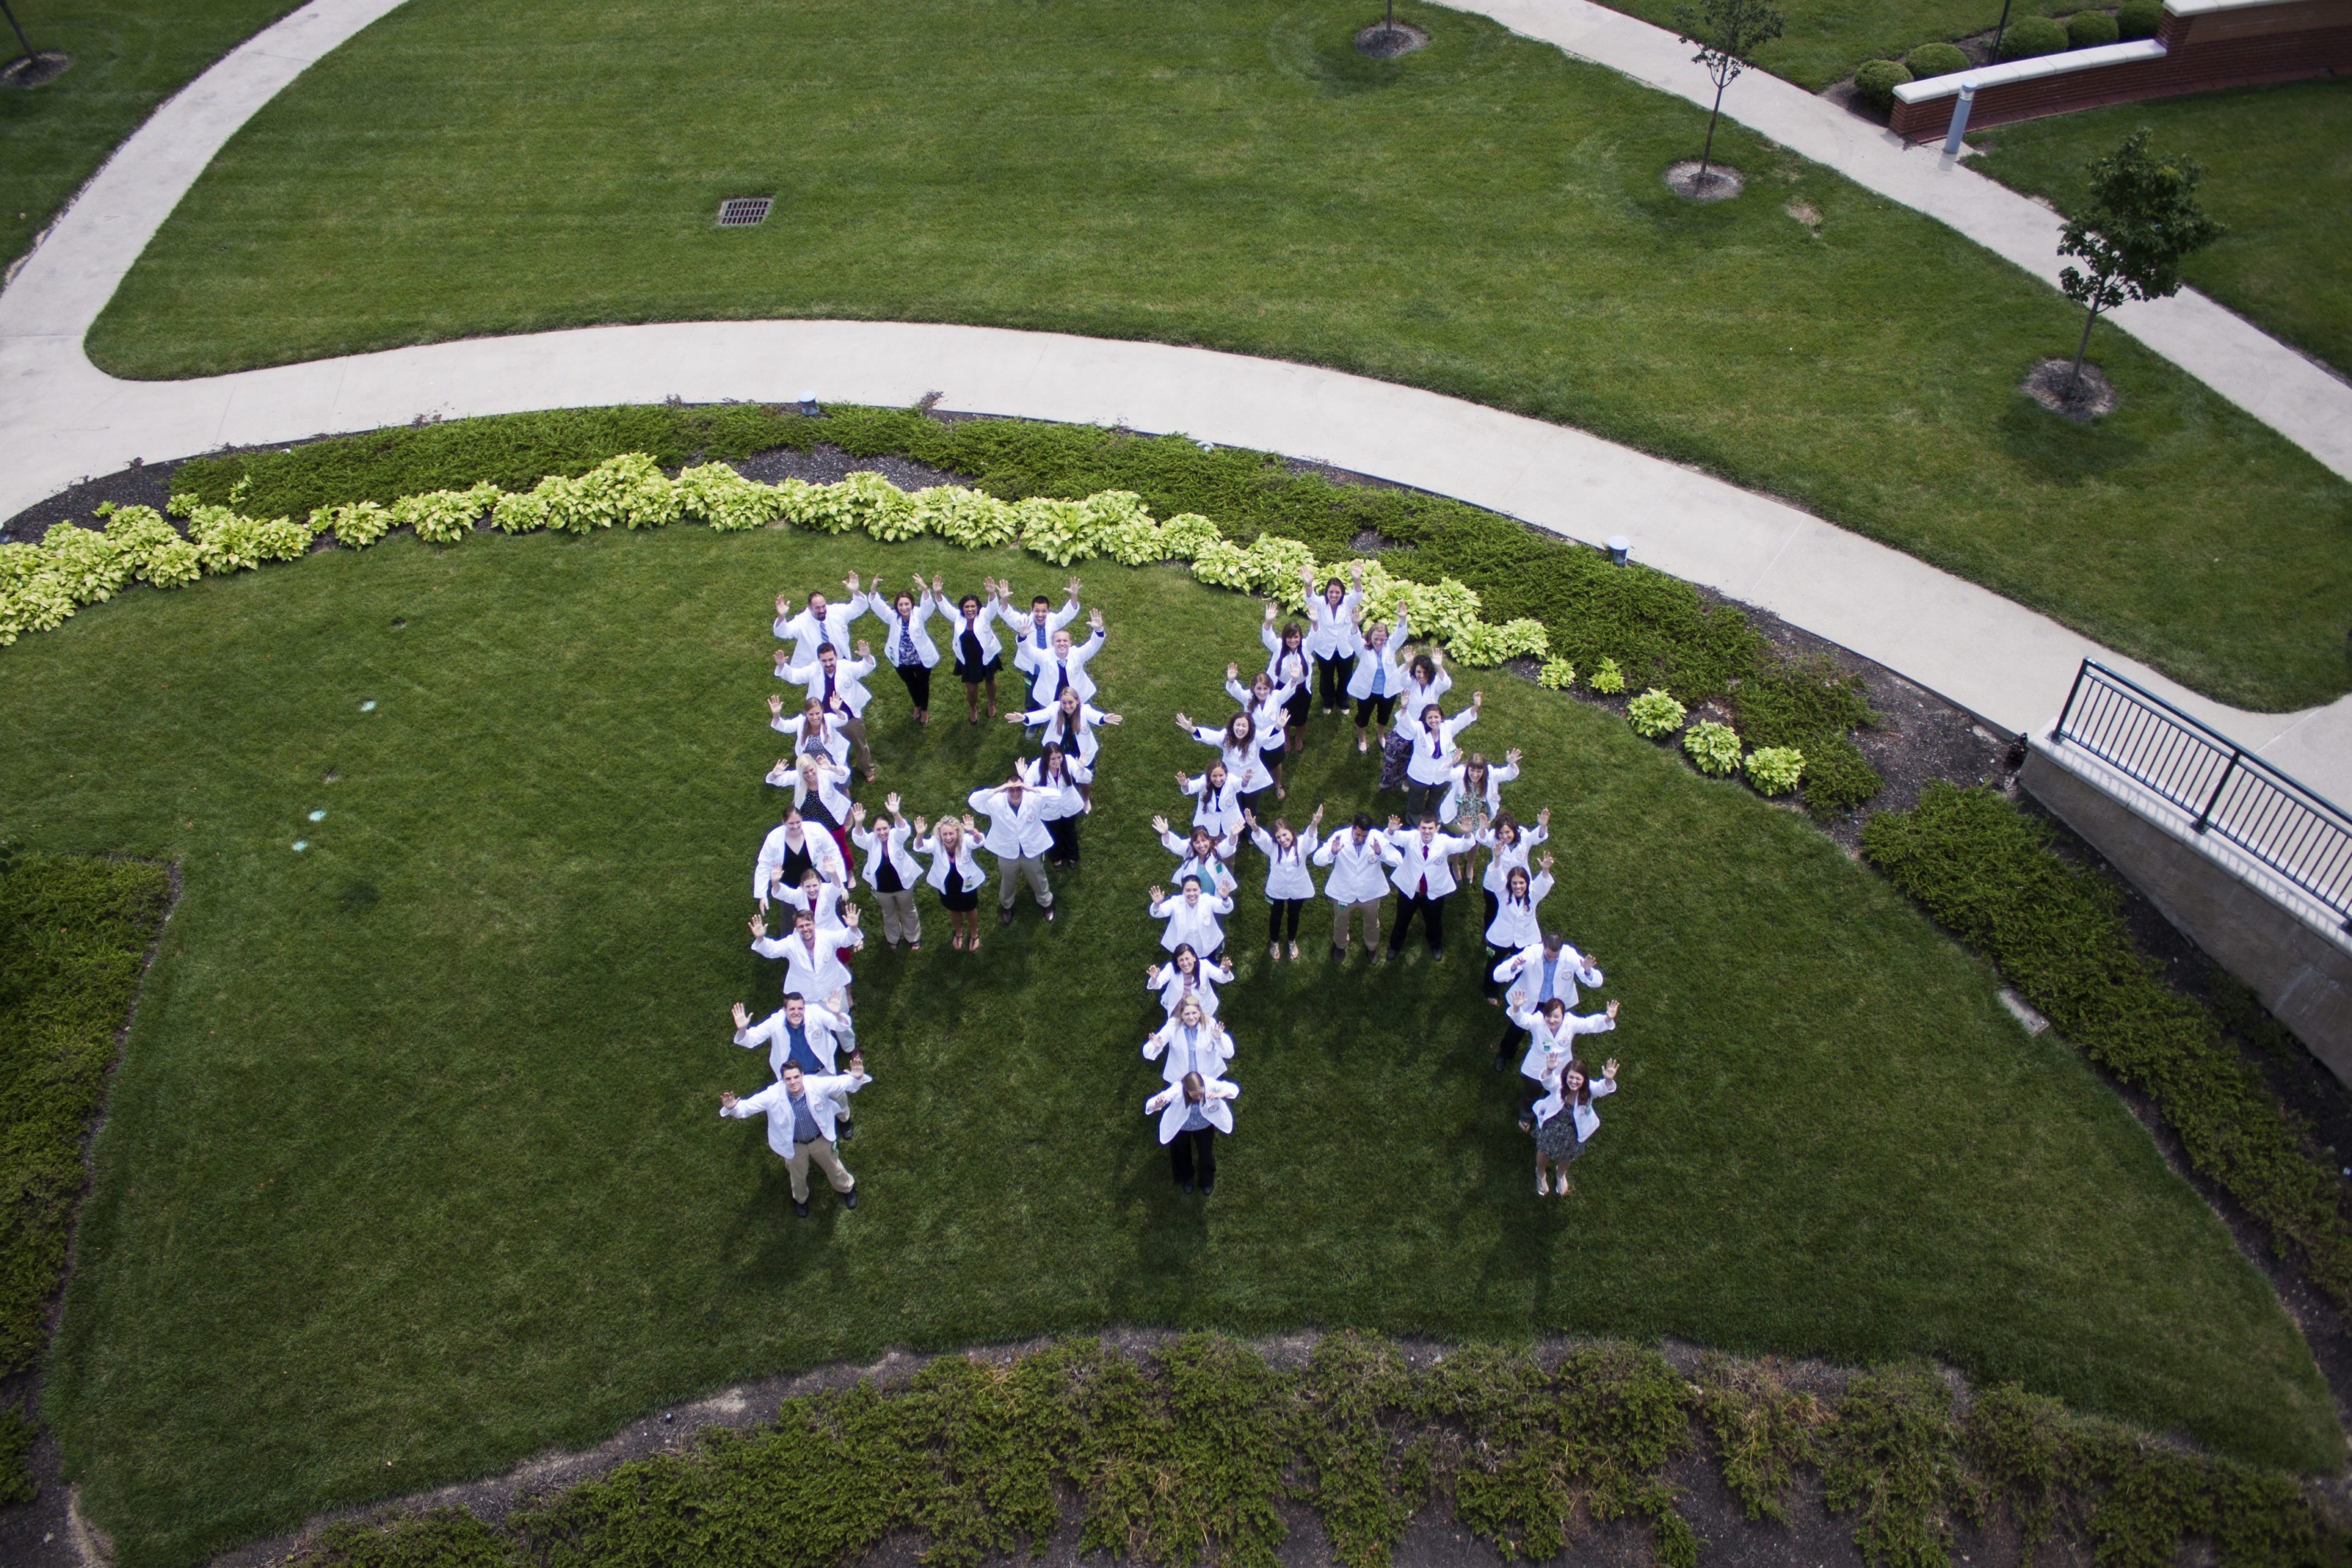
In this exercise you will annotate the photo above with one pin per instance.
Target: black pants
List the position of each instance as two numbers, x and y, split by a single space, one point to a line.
1300 704
1433 918
1494 956
1423 798
1333 684
1255 803
1375 710
1514 1042
917 677
1282 913
1064 848
1193 1156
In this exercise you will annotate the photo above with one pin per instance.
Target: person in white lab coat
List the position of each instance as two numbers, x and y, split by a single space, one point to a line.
1507 844
1430 769
821 622
1218 797
1551 1031
1288 667
1332 639
837 685
1062 667
816 783
1514 927
906 641
1564 1119
1017 836
803 1113
1535 976
1063 814
1203 855
1420 864
1185 975
1191 1113
1379 679
1237 748
891 872
1069 723
1032 635
955 875
1357 855
810 729
1189 1040
1290 885
1192 916
972 637
811 1034
1474 794
1269 706
812 954
793 850
819 898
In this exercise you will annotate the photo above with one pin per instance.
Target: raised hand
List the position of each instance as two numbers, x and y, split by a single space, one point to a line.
758 925
1073 585
1543 817
849 916
1016 718
920 830
890 802
1612 1011
1477 699
1094 618
1158 896
856 814
1546 862
1249 817
1159 825
783 606
850 582
776 705
742 1017
1395 822
1317 817
1269 604
725 1101
1511 758
863 652
968 827
1233 672
1609 1070
1112 719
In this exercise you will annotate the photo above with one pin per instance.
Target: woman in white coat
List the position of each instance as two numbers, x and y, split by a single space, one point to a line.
815 783
955 876
1218 800
1507 844
1474 794
905 641
891 872
1068 780
1185 975
1192 916
1069 721
1288 665
1203 855
1190 1041
1379 679
1565 1121
1551 1031
1429 771
1237 748
1331 639
972 637
1191 1113
1269 706
1357 885
810 730
1288 883
1515 926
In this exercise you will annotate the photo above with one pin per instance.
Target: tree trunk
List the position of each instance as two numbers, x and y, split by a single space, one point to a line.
19 29
2083 348
1699 185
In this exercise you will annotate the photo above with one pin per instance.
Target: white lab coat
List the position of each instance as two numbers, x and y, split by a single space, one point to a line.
1048 670
1213 872
823 852
1332 632
1269 719
1416 696
823 906
1383 660
1431 754
1523 971
893 843
1544 1045
1497 775
1067 801
1028 638
1357 870
1179 1050
1168 1105
965 862
828 1096
1192 922
834 746
884 607
1499 864
1014 833
1411 861
829 795
982 628
829 1034
1293 670
1080 747
1219 811
1167 982
1243 770
1286 876
848 681
806 634
1515 924
813 968
1587 1120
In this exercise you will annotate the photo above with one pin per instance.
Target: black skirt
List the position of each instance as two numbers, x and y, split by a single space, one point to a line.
956 897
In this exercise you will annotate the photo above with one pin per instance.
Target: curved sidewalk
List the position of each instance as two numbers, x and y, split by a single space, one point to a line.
63 419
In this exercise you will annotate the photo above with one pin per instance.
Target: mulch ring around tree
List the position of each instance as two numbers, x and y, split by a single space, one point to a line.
1722 182
2052 383
1387 40
32 70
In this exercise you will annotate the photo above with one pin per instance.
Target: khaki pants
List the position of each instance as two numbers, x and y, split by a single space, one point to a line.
853 729
899 920
1028 866
1370 908
820 1150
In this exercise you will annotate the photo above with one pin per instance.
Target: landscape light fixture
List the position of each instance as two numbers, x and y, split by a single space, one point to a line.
810 406
1619 547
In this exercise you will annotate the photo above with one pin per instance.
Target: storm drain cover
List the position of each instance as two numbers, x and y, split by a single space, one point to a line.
742 212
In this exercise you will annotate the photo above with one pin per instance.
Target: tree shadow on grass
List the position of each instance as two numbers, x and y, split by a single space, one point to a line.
2056 449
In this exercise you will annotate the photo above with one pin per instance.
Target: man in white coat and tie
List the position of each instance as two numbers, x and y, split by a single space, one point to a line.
1535 976
811 956
837 685
1423 863
820 623
1017 836
1064 668
802 1112
1032 635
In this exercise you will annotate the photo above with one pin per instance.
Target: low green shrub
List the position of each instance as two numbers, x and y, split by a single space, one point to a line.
1838 780
2089 29
1937 59
1797 703
1986 870
1185 1455
1557 674
1714 747
1876 82
1654 714
16 1483
2139 19
1775 770
2030 36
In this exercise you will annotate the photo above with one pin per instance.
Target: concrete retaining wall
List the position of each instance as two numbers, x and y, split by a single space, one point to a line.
2299 967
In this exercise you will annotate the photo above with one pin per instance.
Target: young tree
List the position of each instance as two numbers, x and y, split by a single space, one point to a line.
1726 32
2143 218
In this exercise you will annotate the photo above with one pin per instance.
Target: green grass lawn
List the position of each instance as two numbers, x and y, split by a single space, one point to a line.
1484 217
413 1167
129 56
2278 171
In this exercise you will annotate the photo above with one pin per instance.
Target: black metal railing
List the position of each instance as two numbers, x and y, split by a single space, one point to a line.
2302 836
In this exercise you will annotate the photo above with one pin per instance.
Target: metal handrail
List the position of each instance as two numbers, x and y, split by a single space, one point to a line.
2300 834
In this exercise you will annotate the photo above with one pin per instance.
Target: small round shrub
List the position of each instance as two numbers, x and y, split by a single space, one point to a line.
1714 747
1775 770
2140 19
1876 82
1608 678
2030 36
1557 674
1839 779
1937 59
2089 29
1655 713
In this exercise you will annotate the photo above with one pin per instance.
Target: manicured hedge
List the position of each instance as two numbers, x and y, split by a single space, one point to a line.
1985 869
1813 707
2139 19
1935 59
1655 626
2030 36
1183 1455
1876 82
2089 29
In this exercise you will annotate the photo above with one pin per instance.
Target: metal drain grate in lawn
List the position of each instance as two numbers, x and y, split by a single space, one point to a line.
742 212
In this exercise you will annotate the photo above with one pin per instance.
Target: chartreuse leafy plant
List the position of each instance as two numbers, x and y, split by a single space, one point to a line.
1985 869
1180 1455
1713 747
1775 770
1653 714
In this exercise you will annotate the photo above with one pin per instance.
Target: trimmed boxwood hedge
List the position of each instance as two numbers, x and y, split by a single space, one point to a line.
1986 870
2089 29
1935 59
2030 36
2140 19
1876 82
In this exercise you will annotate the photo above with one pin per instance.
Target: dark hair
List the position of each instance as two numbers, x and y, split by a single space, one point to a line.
1293 632
1475 763
972 599
1185 950
1526 882
795 996
901 593
1335 583
1576 1065
1503 819
1048 758
1553 939
814 594
1429 816
1281 826
1041 599
1233 723
1191 880
1424 667
1363 819
1216 768
1195 1092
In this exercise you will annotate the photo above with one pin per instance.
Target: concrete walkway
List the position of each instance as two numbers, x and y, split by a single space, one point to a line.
61 419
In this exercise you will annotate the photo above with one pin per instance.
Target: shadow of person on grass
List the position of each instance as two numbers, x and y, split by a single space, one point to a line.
773 1248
